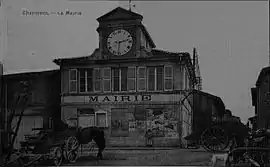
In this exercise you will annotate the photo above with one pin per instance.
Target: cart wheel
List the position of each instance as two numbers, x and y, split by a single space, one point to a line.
71 149
214 139
57 156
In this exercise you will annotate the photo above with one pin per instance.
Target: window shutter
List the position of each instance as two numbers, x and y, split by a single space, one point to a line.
72 80
141 78
168 77
131 83
106 79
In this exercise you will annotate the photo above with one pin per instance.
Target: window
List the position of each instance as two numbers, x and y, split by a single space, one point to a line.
160 76
89 80
124 79
151 78
86 80
106 79
131 79
120 79
82 80
72 80
168 77
155 78
141 79
116 79
97 80
89 118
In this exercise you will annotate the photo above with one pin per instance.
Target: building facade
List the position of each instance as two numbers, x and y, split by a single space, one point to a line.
42 107
261 99
127 87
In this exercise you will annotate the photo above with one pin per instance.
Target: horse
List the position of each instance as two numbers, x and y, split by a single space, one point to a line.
87 134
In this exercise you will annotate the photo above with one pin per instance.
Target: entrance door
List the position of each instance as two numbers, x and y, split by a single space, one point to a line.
119 122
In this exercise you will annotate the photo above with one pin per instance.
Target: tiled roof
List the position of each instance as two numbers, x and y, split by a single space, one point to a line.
155 52
25 71
160 51
71 58
152 43
58 61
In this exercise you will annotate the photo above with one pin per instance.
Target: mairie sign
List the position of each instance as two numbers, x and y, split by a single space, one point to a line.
120 98
123 98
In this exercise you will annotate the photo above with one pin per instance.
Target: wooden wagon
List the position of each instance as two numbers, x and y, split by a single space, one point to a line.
48 145
218 135
222 134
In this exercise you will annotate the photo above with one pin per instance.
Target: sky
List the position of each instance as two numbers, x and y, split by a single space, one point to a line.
232 38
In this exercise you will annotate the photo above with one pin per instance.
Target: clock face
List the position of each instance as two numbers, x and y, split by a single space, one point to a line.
119 42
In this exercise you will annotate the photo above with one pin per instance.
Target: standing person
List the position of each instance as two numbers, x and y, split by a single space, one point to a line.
100 141
149 138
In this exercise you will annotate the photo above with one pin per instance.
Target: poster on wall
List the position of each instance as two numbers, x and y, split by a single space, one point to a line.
162 122
132 126
140 126
171 129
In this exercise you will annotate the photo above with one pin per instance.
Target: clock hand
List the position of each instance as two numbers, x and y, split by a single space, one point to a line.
118 47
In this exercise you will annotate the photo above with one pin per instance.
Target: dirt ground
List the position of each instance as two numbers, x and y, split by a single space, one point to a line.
144 157
178 157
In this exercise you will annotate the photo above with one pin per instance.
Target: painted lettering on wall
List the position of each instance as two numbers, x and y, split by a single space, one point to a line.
120 98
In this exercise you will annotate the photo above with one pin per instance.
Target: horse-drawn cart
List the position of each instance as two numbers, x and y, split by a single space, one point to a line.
55 147
48 146
218 135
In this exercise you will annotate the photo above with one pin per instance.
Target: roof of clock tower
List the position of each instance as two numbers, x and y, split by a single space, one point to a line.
126 15
119 14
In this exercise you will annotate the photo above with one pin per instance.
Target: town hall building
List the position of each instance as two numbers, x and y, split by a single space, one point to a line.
127 86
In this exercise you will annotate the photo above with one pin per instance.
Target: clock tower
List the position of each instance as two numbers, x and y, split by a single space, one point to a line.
122 35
